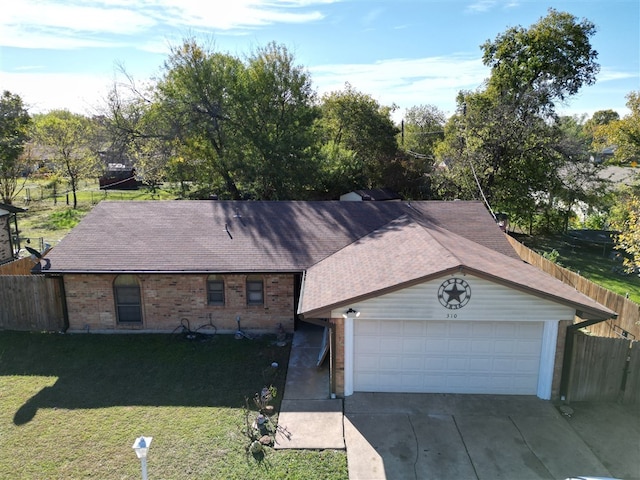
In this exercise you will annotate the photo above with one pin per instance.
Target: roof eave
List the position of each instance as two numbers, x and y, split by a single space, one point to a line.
581 309
321 312
165 272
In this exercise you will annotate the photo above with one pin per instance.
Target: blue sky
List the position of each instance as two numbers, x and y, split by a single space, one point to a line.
66 53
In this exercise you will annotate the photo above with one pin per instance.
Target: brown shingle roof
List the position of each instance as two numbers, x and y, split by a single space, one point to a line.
230 236
404 252
333 242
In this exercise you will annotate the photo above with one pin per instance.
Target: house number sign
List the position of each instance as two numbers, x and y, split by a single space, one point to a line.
454 293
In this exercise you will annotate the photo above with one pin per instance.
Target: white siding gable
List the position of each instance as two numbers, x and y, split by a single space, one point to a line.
488 301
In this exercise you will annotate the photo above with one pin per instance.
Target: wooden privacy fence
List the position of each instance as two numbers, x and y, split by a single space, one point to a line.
29 302
17 267
628 312
604 370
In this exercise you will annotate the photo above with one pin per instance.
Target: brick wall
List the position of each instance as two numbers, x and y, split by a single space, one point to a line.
166 299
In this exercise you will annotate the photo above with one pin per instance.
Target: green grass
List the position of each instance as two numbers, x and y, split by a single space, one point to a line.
589 260
72 405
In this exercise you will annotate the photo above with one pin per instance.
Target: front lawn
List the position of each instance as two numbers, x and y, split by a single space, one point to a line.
71 406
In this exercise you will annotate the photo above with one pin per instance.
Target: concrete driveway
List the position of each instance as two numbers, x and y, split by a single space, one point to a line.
417 436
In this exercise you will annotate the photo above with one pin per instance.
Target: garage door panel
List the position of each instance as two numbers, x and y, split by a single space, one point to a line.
528 347
459 344
481 364
481 345
393 381
392 363
435 346
482 330
368 327
390 328
413 363
391 345
413 328
447 357
435 364
505 347
413 345
437 329
503 365
526 366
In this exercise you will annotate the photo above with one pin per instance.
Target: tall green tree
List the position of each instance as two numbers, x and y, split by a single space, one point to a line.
422 131
578 181
244 127
423 128
198 92
275 113
625 218
623 134
15 123
503 143
359 139
547 62
71 140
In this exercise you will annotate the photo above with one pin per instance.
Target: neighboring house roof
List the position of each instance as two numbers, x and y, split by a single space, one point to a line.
620 175
342 246
373 194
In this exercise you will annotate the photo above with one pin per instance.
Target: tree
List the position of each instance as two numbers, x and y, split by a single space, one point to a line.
355 128
15 125
422 131
133 132
626 220
549 61
275 113
623 134
503 143
70 138
199 92
423 128
578 181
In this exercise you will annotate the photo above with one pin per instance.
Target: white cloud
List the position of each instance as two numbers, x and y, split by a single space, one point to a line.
55 15
406 82
608 74
64 24
481 6
42 92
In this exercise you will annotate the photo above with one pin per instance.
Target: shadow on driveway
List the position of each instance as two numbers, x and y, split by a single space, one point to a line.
441 436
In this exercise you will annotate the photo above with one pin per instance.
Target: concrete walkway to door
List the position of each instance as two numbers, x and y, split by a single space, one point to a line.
309 418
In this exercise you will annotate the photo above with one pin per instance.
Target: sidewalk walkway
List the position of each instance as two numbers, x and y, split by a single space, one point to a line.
309 418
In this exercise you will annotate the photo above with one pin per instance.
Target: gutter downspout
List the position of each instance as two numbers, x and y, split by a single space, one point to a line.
568 355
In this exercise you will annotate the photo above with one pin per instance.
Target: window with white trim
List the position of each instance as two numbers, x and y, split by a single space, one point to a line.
126 291
255 290
215 290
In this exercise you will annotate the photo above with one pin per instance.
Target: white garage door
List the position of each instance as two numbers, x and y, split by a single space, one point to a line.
447 356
